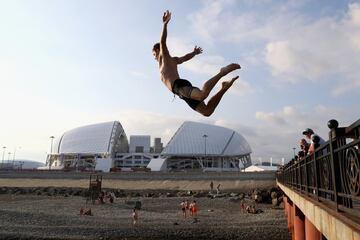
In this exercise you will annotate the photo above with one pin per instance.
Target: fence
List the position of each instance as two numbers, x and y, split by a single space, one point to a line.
331 174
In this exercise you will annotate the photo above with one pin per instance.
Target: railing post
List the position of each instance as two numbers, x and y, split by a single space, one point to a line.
333 124
306 176
316 180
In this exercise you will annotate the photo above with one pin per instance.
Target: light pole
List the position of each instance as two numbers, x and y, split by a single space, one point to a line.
51 148
9 153
2 162
294 151
205 136
14 156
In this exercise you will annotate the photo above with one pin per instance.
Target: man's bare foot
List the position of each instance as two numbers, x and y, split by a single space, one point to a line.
229 68
228 84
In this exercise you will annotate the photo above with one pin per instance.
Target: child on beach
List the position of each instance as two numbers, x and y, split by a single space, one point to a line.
135 216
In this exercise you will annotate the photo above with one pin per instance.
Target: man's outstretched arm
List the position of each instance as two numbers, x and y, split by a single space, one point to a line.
166 19
187 57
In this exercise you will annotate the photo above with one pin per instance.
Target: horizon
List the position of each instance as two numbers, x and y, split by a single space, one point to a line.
67 64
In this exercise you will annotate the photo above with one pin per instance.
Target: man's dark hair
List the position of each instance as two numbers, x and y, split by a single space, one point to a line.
156 46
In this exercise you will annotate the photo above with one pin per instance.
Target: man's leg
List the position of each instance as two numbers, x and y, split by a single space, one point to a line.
200 95
209 108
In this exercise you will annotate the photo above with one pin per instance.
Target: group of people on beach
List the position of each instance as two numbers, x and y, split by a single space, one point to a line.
189 208
249 208
212 187
106 197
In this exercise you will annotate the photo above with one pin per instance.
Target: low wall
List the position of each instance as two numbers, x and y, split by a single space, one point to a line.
137 181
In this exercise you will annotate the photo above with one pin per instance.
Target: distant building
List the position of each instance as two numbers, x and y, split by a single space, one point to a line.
204 147
139 155
260 168
99 146
105 146
21 164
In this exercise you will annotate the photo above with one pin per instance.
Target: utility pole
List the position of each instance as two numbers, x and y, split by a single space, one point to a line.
294 151
2 162
51 150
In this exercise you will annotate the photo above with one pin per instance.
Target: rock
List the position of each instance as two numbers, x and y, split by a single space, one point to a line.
149 195
241 195
181 194
3 190
234 199
168 194
234 194
200 194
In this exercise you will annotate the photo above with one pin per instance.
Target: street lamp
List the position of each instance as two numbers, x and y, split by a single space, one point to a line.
9 153
51 150
205 136
14 156
294 151
2 162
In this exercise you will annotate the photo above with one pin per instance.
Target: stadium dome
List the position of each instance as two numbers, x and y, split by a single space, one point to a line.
90 147
101 138
194 138
204 146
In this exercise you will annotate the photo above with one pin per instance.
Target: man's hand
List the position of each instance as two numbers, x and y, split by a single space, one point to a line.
166 17
197 50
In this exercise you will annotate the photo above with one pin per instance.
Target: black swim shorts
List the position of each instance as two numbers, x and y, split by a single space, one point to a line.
183 89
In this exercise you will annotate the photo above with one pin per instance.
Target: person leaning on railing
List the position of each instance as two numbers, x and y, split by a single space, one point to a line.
315 139
304 146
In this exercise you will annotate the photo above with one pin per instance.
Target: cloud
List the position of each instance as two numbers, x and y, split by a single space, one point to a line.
278 132
296 46
207 21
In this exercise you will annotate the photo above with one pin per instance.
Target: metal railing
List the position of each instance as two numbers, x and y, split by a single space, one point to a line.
331 174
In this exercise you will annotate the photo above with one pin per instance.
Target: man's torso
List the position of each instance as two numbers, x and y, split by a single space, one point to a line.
168 70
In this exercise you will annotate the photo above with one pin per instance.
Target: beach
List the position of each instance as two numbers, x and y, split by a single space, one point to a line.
46 205
57 217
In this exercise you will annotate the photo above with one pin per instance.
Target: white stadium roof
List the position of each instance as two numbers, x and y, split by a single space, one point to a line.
96 138
189 140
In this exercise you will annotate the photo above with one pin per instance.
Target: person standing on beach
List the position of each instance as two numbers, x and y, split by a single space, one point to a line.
169 75
211 186
194 210
183 208
218 189
135 216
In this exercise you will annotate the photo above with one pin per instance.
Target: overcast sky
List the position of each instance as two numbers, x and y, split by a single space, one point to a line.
65 64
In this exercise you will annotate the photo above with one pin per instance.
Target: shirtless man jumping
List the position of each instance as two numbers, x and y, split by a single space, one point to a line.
169 75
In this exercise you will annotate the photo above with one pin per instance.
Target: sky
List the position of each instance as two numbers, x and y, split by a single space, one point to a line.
65 64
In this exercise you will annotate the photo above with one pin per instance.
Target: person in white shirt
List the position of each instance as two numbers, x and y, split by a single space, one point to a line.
315 140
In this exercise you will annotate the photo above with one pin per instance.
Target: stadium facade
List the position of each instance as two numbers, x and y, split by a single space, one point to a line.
204 146
105 147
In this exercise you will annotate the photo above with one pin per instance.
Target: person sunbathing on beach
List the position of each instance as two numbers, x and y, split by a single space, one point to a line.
169 75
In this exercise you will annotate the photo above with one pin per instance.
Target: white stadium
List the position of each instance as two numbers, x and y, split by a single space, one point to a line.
105 147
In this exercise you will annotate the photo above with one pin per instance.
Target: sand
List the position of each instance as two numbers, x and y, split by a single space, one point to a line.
57 217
